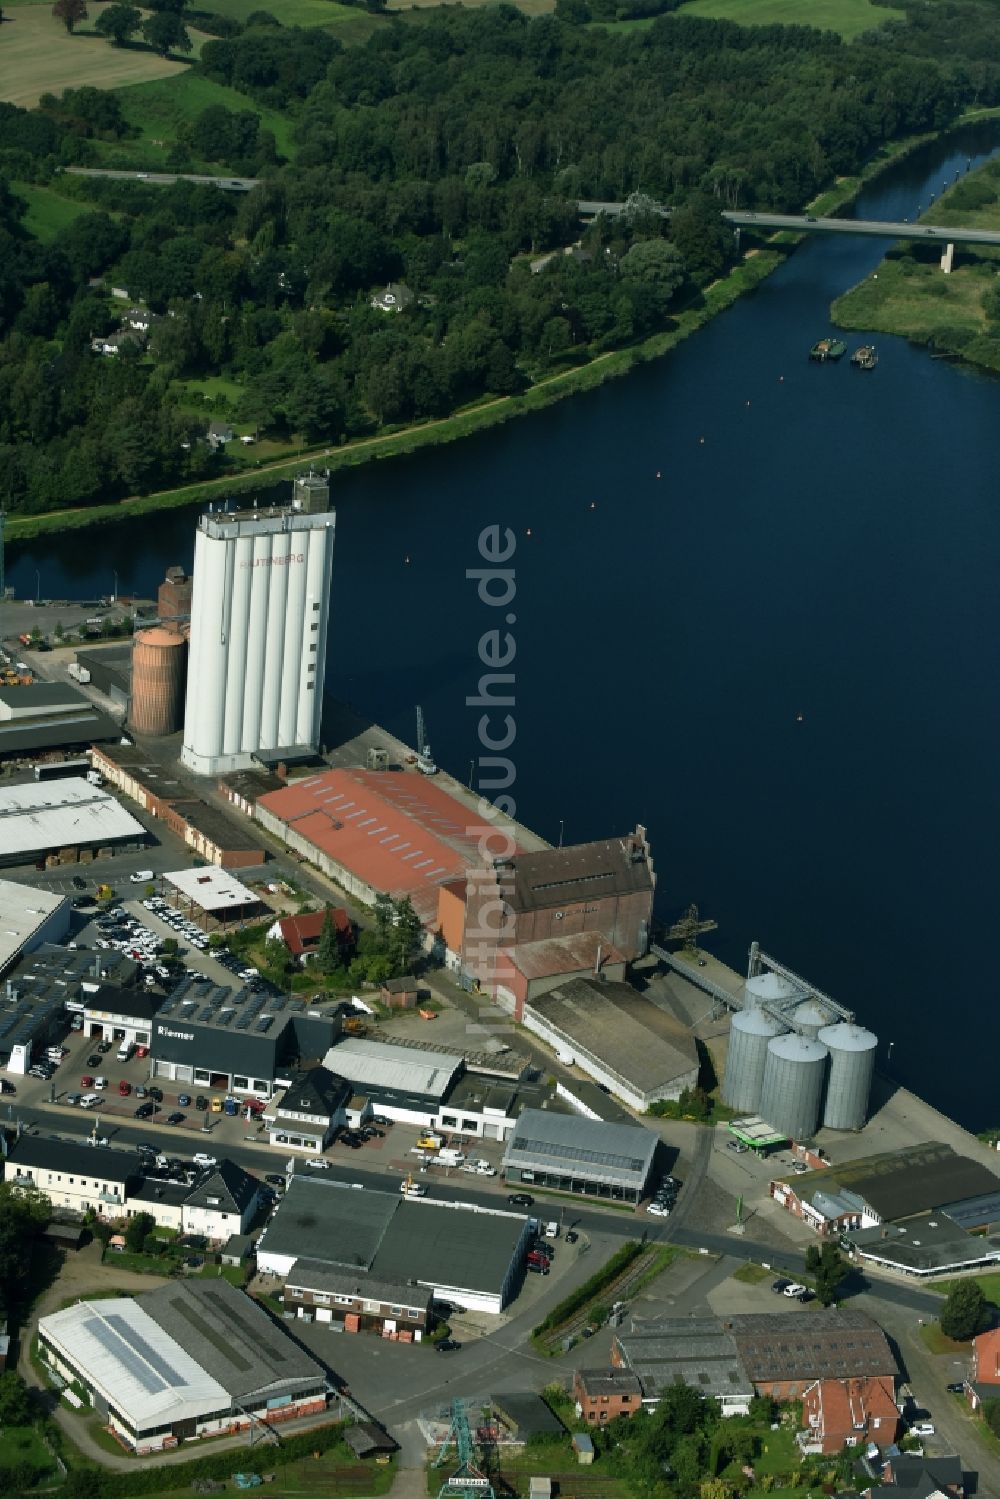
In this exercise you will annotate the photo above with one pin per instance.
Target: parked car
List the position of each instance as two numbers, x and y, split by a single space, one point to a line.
145 1111
78 883
175 1118
520 1199
201 1158
807 1295
658 1210
447 1345
958 1388
794 1290
538 1269
104 1047
922 1429
86 1081
201 1102
571 1236
124 1088
184 1100
142 1051
156 1093
780 1285
100 1083
319 1164
272 1177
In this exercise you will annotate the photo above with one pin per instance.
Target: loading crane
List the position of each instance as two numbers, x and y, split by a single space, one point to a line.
467 1479
425 760
688 929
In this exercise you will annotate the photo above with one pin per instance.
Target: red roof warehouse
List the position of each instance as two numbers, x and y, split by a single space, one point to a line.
377 831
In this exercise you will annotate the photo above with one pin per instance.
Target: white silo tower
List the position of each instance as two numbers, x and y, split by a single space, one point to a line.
259 615
852 1063
794 1074
810 1017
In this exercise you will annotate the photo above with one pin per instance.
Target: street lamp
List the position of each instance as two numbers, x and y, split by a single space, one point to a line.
38 586
888 1056
114 596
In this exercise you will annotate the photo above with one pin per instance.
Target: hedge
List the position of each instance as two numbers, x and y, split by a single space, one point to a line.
576 1299
151 1480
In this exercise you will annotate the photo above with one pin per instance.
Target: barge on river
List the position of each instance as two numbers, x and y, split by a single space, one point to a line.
828 349
865 358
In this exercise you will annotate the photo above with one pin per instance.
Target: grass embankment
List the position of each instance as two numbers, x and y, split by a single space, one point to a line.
848 17
158 108
49 212
39 56
751 1275
909 295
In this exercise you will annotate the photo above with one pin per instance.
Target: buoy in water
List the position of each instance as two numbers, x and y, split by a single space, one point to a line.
406 560
800 718
593 504
657 473
528 532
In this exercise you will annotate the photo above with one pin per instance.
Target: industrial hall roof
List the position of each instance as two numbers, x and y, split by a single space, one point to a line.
623 1031
396 831
571 954
61 814
232 1338
825 1345
328 1222
137 1365
587 1148
684 1350
900 1184
583 871
337 1280
39 697
404 1069
23 909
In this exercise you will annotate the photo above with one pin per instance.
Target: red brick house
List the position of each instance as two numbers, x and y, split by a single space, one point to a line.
603 1394
838 1413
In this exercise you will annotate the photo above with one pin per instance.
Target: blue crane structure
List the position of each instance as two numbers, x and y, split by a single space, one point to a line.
468 1479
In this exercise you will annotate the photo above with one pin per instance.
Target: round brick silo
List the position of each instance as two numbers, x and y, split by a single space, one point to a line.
159 657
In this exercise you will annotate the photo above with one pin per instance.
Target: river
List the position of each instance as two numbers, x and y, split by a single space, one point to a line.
756 610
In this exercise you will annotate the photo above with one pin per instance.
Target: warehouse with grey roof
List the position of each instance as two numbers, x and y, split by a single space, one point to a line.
194 1358
587 1157
470 1256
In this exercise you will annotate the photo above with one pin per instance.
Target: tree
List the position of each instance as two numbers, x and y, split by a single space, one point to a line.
328 958
57 630
407 931
118 23
654 263
965 1313
165 31
138 1227
828 1268
69 12
276 955
15 1403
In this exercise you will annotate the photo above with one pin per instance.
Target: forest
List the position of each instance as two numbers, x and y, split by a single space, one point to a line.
444 156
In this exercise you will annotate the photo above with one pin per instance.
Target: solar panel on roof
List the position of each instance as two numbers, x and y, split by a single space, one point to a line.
244 1022
263 1026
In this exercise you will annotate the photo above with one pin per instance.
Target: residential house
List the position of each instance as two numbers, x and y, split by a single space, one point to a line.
218 434
400 1310
117 343
395 298
923 1477
984 1383
838 1413
222 1203
308 1113
603 1394
139 319
301 934
82 1178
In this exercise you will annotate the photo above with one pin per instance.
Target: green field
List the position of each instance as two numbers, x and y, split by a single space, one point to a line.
849 17
38 56
156 109
48 211
288 12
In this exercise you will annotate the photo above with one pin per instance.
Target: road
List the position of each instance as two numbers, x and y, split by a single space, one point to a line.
809 224
166 179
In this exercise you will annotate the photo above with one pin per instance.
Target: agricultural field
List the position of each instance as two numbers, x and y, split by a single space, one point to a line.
38 56
157 108
849 17
526 7
48 211
288 12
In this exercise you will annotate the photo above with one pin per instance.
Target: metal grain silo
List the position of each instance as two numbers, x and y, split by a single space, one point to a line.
770 987
852 1062
810 1018
794 1074
158 660
749 1035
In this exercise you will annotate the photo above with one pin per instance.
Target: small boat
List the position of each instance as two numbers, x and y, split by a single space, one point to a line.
865 358
828 349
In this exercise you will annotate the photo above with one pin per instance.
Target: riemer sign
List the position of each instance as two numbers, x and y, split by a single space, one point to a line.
163 1030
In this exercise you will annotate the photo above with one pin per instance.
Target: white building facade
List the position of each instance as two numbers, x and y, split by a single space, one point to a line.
259 615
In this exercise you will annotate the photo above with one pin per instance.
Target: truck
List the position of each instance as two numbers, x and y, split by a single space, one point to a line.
450 1157
55 770
95 778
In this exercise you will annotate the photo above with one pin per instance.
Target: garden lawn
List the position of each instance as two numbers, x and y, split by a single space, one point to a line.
48 211
848 17
22 1444
157 108
38 56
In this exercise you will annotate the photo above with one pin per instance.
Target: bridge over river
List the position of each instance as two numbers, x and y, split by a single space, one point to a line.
807 224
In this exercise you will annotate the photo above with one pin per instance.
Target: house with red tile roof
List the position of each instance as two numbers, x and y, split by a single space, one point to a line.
838 1413
301 934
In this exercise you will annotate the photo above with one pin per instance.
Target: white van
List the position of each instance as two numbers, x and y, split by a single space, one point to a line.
89 1099
124 1051
141 877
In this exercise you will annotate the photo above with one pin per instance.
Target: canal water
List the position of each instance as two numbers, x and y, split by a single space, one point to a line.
756 610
